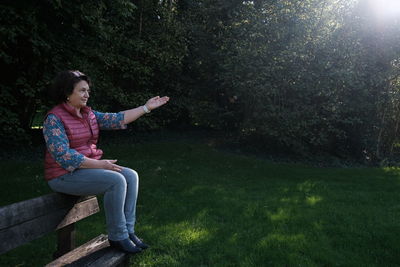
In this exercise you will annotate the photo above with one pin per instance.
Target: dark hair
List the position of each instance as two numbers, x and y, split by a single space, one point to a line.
64 83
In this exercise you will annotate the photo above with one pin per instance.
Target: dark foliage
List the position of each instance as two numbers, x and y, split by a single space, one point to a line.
305 77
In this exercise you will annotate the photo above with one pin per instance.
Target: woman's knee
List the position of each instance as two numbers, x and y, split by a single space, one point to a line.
117 179
131 176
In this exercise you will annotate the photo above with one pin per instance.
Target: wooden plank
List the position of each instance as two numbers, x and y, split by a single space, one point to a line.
112 257
103 257
79 211
86 249
39 217
65 240
26 210
25 232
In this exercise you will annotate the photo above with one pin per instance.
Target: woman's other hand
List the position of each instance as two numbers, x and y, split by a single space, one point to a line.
109 164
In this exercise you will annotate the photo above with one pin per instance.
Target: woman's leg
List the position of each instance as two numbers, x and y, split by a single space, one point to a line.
132 181
112 184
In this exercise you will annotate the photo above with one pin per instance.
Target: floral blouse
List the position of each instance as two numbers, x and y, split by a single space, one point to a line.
57 142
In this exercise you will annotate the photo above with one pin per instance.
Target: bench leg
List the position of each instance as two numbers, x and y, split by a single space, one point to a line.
66 240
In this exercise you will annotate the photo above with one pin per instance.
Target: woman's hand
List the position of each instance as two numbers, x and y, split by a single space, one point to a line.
156 102
153 103
109 164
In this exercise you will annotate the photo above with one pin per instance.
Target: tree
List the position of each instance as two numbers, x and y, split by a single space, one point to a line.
128 49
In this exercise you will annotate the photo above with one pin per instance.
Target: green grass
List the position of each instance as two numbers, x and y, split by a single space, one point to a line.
203 207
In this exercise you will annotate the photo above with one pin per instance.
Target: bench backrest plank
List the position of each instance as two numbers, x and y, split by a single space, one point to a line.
27 220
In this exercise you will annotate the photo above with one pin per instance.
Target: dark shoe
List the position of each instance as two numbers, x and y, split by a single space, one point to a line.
125 245
139 243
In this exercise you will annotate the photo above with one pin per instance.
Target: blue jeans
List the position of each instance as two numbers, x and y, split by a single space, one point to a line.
120 194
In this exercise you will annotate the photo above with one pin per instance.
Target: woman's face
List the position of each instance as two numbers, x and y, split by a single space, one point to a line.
80 95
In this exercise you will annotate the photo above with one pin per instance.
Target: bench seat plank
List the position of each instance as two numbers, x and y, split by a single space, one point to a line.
111 257
96 252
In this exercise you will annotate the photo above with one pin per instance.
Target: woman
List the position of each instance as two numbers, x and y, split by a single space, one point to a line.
73 163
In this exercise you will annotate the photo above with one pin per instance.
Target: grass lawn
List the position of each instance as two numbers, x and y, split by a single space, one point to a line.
203 207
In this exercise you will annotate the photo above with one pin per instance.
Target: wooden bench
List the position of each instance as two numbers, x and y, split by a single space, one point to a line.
27 220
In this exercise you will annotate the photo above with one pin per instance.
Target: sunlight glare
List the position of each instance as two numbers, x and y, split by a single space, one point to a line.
385 8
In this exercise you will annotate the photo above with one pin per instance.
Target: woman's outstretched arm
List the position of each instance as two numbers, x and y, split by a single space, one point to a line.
131 115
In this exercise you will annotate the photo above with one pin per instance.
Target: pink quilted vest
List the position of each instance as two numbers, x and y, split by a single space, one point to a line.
82 134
